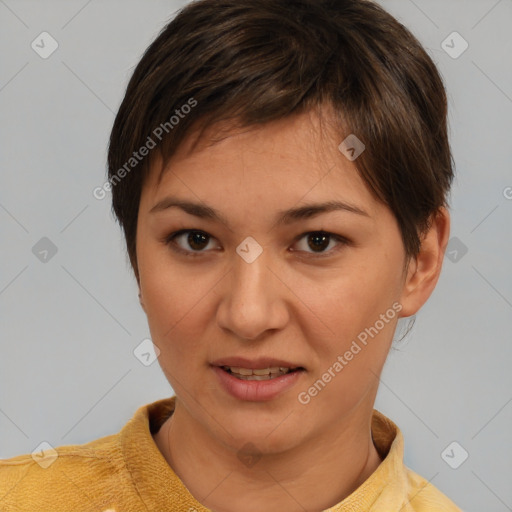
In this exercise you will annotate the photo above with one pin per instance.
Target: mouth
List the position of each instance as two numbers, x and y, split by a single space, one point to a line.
257 380
259 373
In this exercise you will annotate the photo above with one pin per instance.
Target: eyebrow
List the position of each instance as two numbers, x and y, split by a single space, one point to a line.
284 217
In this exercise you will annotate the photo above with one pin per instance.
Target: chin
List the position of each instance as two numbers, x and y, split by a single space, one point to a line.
269 433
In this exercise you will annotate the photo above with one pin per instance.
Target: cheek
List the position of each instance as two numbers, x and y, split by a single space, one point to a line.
346 305
171 308
349 358
331 309
176 305
163 291
349 325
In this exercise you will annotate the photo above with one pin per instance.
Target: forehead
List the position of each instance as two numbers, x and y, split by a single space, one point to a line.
315 134
280 162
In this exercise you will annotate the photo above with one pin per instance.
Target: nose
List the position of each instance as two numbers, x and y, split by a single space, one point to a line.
253 298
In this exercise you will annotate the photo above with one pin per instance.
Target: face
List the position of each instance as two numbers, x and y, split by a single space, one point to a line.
315 290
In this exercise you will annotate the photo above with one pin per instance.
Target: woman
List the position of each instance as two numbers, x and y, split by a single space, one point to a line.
280 170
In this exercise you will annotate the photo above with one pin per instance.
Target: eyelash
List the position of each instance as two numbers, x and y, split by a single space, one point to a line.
169 241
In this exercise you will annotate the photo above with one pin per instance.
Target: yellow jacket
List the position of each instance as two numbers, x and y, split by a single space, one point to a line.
125 472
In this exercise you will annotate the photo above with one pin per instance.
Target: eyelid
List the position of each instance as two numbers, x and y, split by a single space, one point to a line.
341 243
168 240
341 240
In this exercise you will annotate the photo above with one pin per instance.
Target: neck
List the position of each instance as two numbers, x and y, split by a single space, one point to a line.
337 461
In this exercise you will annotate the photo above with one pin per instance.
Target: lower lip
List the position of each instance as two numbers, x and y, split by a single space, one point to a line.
256 390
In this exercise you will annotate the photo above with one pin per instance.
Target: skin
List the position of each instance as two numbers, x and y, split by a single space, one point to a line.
286 304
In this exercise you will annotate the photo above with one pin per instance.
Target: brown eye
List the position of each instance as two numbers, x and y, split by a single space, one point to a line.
197 240
193 242
319 241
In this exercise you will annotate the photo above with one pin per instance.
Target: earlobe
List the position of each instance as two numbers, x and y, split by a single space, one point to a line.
425 269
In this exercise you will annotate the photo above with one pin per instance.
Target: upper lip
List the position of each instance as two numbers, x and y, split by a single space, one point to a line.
254 364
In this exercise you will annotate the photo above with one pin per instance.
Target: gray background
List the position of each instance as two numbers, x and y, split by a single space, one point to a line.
70 325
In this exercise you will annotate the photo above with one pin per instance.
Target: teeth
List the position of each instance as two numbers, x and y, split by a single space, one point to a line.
241 371
257 374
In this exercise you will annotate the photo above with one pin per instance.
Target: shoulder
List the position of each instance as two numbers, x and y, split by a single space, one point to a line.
425 497
70 477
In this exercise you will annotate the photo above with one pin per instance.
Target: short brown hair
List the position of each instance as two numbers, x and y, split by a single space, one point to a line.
254 61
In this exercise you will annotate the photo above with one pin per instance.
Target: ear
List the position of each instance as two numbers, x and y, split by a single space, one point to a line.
137 278
141 301
424 270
